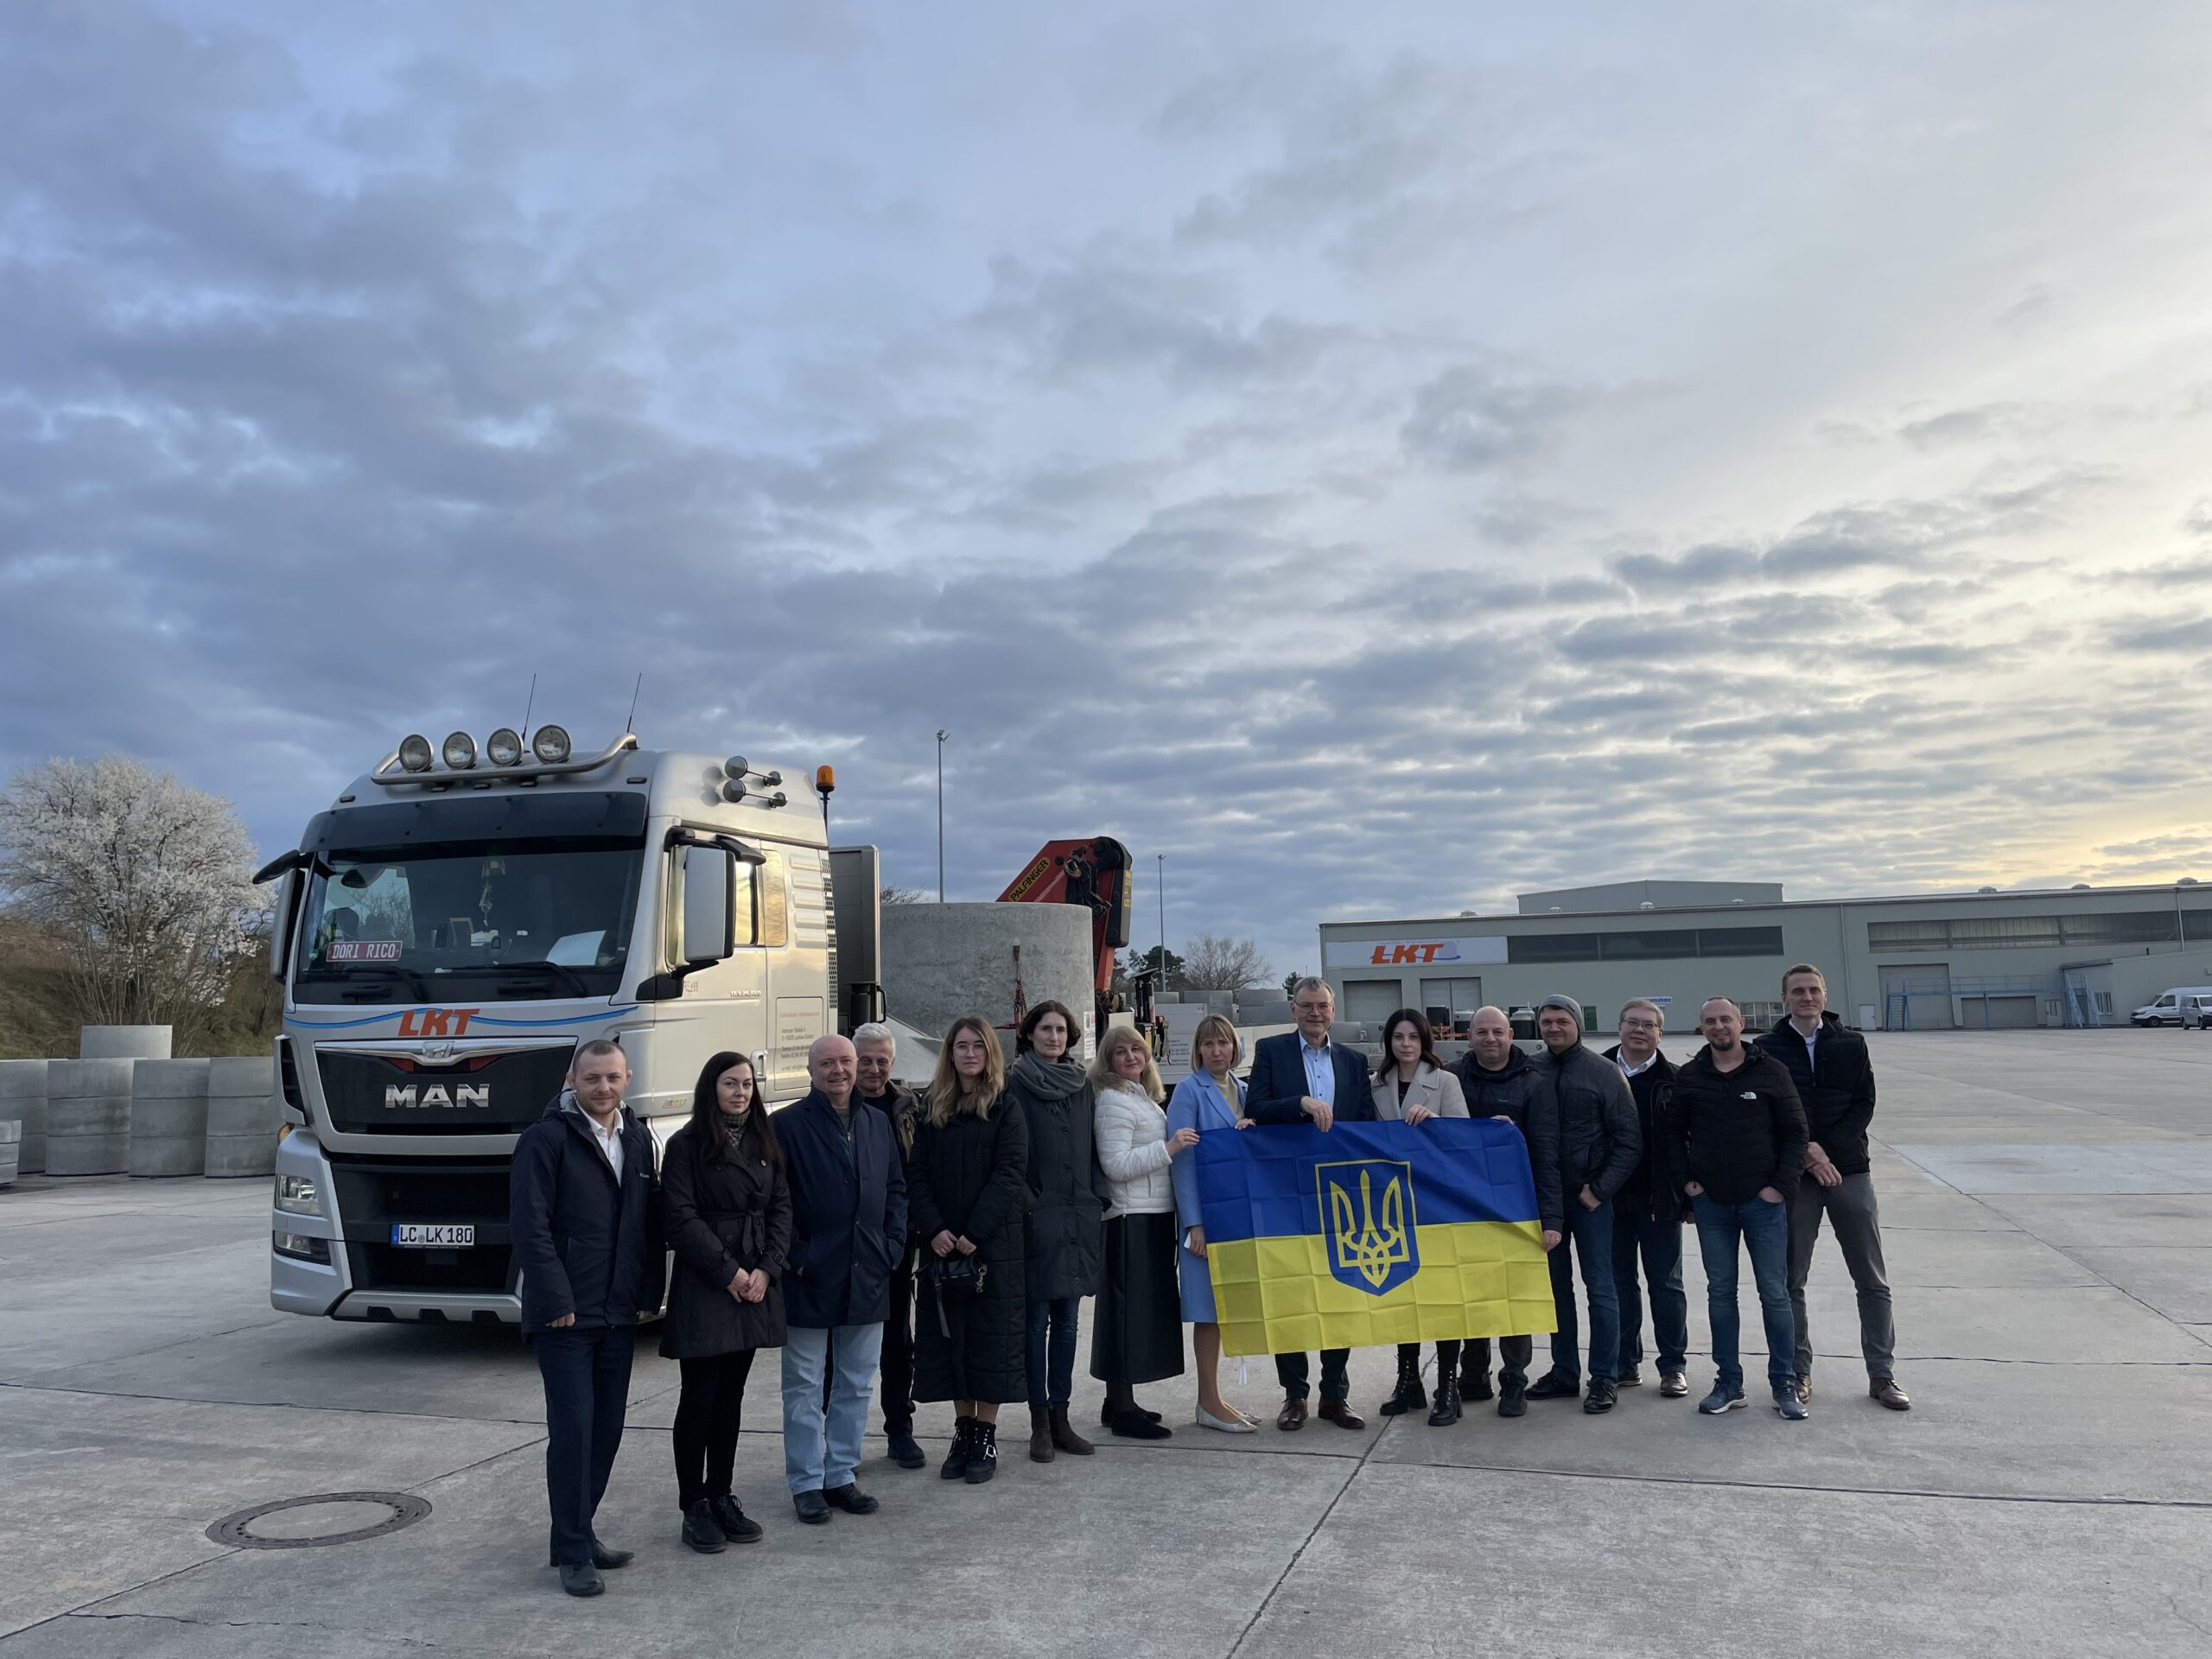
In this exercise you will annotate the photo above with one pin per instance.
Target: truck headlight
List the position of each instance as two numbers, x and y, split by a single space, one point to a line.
296 1193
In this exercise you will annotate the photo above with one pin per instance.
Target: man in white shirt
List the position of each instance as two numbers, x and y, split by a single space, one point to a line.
1647 1226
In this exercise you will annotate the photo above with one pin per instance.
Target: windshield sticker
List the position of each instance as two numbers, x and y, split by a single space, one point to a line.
362 950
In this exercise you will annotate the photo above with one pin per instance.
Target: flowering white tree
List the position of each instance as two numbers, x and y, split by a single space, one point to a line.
143 884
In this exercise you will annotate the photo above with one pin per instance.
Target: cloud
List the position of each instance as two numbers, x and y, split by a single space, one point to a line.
1473 418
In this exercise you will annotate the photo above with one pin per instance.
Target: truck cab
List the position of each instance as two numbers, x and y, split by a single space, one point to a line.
447 934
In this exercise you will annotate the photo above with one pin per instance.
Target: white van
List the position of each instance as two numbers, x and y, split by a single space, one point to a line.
2167 1010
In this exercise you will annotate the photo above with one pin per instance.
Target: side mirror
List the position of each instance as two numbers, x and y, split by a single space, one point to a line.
283 917
708 875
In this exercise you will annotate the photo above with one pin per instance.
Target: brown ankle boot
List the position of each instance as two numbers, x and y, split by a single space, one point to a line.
1064 1434
1041 1436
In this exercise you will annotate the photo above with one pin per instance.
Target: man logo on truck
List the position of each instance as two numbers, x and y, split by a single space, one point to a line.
401 1096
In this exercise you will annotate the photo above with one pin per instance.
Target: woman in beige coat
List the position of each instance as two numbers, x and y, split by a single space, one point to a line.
1412 1086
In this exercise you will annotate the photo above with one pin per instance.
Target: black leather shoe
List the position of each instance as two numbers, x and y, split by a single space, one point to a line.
608 1559
701 1531
1133 1425
1512 1398
1447 1410
812 1507
850 1498
736 1525
1340 1413
957 1455
1552 1386
1601 1396
905 1451
1630 1377
581 1578
1476 1387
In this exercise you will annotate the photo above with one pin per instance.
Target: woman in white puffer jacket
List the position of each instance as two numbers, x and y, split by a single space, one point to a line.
1137 1330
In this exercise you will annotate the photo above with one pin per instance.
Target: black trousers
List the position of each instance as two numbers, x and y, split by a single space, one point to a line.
707 1414
1514 1353
898 1360
1336 1374
1447 1355
587 1375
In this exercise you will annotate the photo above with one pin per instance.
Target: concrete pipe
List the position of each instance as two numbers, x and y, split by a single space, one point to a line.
87 1117
943 961
242 1115
11 1146
123 1042
23 1100
169 1118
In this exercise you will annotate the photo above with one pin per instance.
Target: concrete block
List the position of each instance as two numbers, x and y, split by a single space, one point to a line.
23 1100
169 1118
123 1042
243 1111
87 1117
11 1144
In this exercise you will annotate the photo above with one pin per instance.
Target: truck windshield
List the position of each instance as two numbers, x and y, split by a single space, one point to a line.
494 920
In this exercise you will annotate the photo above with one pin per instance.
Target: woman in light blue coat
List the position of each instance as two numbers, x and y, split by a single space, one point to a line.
1210 1099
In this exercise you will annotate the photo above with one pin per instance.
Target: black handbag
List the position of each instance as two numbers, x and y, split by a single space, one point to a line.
959 1278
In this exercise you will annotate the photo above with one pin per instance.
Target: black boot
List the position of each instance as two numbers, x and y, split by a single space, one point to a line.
700 1531
1409 1395
1446 1409
963 1445
982 1451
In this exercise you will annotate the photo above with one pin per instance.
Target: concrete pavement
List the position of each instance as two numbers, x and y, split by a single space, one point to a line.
2047 1201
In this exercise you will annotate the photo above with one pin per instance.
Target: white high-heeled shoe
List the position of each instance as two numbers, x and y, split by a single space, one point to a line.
1234 1425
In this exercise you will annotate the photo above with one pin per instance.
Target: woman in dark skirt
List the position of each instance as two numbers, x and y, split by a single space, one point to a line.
728 1215
966 1193
1137 1334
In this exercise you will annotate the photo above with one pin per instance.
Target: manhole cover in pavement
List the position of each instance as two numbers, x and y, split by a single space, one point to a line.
327 1518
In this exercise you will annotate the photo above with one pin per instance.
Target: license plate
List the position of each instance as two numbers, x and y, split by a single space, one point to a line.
422 1235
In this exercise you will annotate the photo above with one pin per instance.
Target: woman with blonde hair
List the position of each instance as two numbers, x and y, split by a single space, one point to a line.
967 1190
1211 1097
1137 1333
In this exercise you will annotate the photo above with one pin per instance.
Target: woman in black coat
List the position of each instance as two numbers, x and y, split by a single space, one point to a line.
965 1195
728 1213
1067 1216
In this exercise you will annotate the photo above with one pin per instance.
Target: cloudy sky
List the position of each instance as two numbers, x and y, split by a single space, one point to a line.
1385 457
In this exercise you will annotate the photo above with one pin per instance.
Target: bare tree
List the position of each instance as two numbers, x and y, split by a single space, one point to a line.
903 896
143 884
1212 964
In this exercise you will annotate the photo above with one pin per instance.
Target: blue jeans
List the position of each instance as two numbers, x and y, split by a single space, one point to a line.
1765 1229
1660 1244
821 1448
1051 1363
1590 1237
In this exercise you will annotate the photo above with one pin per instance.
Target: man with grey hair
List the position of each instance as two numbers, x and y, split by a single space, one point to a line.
1648 1216
876 1049
848 1225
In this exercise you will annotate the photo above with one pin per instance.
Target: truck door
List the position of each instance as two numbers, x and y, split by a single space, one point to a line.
723 1007
796 939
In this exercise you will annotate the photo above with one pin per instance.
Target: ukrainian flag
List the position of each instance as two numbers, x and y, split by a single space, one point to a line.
1371 1233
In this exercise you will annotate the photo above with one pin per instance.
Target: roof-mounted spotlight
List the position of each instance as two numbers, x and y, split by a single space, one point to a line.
735 766
414 753
503 746
733 790
551 744
459 752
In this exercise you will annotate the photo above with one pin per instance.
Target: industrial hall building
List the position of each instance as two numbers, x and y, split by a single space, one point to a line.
2072 956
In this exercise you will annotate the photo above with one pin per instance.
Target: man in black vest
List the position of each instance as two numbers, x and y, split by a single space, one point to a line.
1828 1061
1648 1219
584 1222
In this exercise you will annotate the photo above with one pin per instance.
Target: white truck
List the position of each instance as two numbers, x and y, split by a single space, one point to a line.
451 929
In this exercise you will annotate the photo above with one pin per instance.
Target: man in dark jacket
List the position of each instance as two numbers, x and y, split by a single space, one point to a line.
1736 1146
1303 1077
1827 1062
849 1228
876 1049
583 1221
1648 1217
1502 1082
1599 1145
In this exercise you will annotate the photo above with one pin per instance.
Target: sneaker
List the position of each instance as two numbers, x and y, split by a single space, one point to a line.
1552 1386
1792 1409
1673 1385
1631 1377
1601 1397
1512 1398
1721 1399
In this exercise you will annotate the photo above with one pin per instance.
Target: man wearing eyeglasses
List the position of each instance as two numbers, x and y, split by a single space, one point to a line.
1646 1222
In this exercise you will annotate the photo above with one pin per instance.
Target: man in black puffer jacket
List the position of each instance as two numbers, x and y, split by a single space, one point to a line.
1599 1142
1501 1081
1736 1146
1828 1061
1648 1216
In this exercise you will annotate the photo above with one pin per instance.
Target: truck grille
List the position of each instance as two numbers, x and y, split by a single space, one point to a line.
480 1093
373 1193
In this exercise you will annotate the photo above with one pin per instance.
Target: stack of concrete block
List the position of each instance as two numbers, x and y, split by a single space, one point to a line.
243 1114
88 1117
169 1118
22 1103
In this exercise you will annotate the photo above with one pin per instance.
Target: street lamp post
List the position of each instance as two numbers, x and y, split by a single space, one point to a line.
1159 881
940 815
